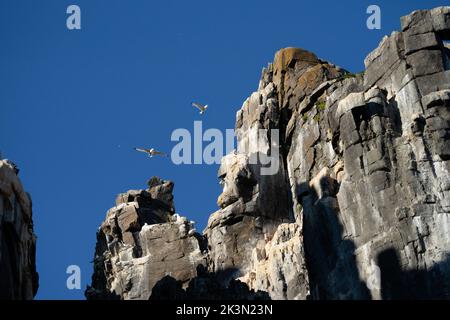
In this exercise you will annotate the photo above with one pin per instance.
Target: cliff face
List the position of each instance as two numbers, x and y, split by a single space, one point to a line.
369 165
18 276
358 208
144 247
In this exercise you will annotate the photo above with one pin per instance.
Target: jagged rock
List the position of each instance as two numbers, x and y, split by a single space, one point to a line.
141 241
18 276
358 207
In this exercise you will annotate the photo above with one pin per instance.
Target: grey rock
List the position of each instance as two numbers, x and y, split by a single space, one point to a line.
418 22
141 241
436 98
432 83
425 62
358 208
440 18
416 42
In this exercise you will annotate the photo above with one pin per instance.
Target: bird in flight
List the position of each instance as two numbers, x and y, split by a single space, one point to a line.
200 107
150 152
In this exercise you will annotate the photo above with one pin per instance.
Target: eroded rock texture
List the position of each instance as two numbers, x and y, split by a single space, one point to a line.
369 165
18 276
141 241
358 207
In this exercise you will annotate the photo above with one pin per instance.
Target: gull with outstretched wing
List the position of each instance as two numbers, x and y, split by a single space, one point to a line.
150 152
200 107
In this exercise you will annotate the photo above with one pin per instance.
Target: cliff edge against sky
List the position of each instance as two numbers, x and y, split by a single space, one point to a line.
360 205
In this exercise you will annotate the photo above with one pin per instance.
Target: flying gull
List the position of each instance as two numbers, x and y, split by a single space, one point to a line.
200 107
150 152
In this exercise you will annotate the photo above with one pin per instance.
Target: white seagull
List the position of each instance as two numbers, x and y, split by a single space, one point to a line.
200 107
150 152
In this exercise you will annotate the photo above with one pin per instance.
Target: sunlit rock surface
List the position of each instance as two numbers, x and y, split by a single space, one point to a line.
357 208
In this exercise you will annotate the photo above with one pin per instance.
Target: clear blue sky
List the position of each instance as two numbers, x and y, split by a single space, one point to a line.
73 104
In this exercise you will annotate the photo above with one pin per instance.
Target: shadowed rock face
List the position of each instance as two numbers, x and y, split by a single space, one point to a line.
359 206
206 286
18 276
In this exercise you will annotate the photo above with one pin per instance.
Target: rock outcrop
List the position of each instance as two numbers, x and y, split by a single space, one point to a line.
141 241
18 276
339 188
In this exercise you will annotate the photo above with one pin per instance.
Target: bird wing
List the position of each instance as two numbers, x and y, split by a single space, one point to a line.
159 152
141 150
199 106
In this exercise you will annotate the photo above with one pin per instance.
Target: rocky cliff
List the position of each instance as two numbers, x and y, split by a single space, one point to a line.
18 276
358 207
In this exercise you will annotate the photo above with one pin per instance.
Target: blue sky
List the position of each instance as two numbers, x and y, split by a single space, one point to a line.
73 104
